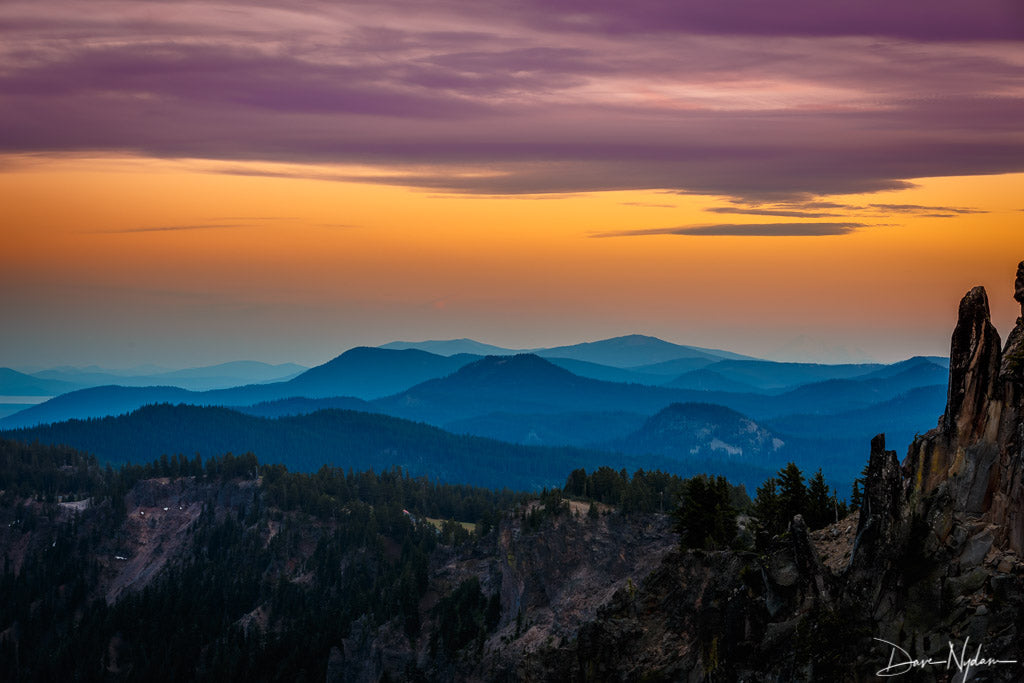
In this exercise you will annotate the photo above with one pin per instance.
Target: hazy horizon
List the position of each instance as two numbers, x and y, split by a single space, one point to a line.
802 350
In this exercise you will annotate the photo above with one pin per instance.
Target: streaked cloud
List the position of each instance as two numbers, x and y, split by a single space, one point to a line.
765 102
925 210
788 213
649 205
744 230
811 209
169 228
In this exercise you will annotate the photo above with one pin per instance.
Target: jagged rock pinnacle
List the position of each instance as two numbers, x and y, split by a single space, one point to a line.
1012 367
882 494
974 360
974 455
1018 287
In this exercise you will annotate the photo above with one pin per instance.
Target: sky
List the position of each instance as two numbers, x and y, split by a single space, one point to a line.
184 183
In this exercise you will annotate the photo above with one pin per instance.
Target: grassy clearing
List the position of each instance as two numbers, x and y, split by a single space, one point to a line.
468 526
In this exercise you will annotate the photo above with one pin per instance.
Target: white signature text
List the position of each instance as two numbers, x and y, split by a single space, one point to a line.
900 661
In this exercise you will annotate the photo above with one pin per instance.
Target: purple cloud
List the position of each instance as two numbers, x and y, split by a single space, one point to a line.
933 20
786 213
738 98
784 210
744 230
927 210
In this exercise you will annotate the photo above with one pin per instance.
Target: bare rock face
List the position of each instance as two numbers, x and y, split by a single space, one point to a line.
1018 287
812 571
882 495
972 411
1012 367
973 370
879 528
972 459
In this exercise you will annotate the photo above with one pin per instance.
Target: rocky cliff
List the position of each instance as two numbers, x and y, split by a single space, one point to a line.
934 576
550 581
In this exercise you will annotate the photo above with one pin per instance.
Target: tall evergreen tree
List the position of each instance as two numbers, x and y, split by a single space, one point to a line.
792 493
819 503
855 496
705 518
766 505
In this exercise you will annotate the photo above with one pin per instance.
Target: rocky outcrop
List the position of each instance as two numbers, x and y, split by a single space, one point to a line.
935 562
937 556
973 408
879 529
156 531
551 581
555 579
1012 367
973 370
711 616
972 460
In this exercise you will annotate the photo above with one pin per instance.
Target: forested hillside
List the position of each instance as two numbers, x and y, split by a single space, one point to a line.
267 577
186 569
344 438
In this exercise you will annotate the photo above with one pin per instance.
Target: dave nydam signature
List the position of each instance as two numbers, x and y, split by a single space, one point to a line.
900 661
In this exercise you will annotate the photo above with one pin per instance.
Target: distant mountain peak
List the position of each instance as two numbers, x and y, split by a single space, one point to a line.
636 339
449 347
634 351
683 430
625 351
694 411
371 372
522 365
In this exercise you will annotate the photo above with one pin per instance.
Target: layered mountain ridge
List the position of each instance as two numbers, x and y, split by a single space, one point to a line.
531 400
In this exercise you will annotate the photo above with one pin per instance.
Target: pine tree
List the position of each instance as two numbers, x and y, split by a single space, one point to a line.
819 505
792 494
855 496
766 505
576 484
705 518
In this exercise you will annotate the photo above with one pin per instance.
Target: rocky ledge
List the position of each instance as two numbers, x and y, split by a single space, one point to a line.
933 585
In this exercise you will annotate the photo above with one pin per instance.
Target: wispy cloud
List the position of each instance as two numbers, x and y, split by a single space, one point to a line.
258 218
813 209
788 213
649 205
291 174
944 211
744 230
547 196
168 228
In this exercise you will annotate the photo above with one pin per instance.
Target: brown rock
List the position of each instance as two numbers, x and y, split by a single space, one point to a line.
1011 370
879 525
974 357
807 560
975 452
882 497
1018 286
